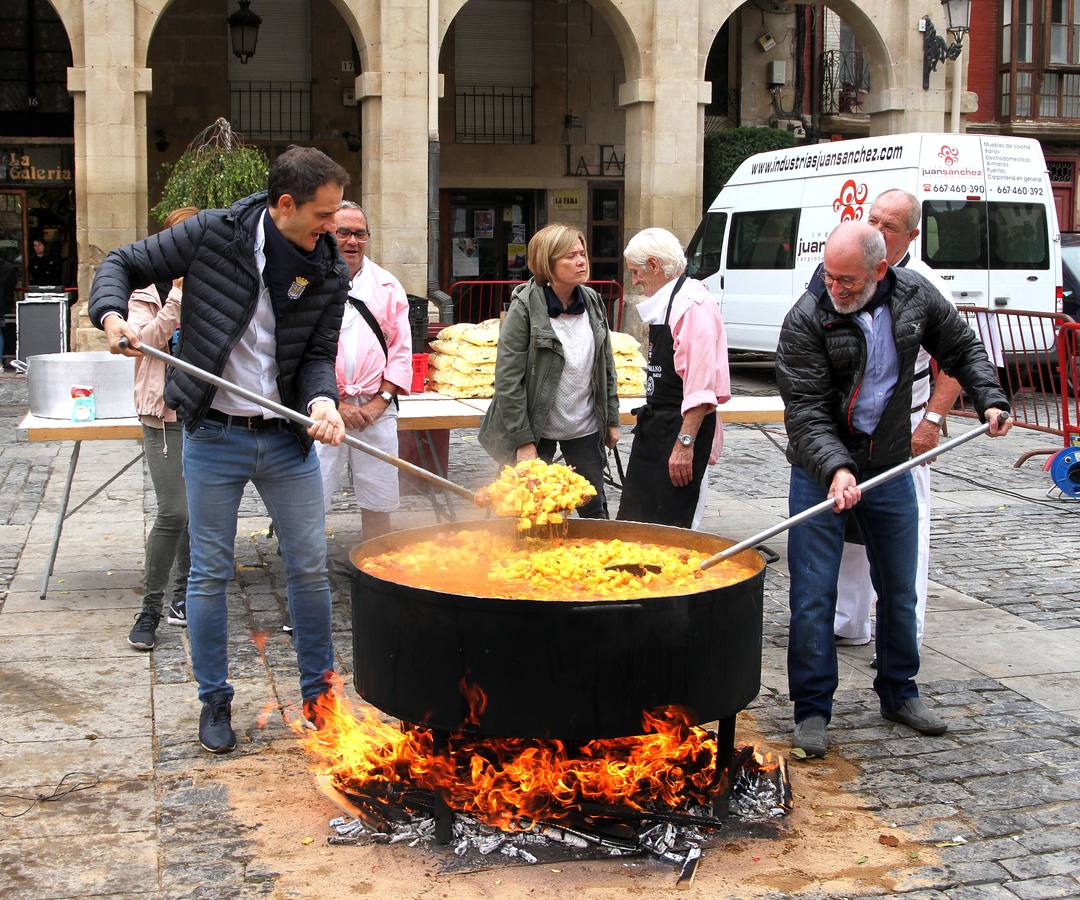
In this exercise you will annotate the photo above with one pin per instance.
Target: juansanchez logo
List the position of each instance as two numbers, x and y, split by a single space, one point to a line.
848 204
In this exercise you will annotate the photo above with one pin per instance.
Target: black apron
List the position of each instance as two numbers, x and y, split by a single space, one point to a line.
648 494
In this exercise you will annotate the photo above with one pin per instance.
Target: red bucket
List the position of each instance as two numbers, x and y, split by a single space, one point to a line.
419 372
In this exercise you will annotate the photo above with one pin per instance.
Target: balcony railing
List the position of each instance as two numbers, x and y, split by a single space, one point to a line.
845 82
487 114
271 110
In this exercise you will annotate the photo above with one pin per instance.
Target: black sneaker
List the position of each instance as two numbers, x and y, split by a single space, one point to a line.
177 613
143 633
215 725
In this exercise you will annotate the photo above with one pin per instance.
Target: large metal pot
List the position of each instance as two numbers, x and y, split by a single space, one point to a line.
574 669
52 375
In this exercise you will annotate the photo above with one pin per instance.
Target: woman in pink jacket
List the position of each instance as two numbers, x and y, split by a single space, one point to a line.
154 315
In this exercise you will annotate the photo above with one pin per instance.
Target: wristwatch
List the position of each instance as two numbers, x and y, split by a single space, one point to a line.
933 418
687 440
387 396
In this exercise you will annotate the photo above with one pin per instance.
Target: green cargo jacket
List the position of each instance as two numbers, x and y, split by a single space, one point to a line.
528 368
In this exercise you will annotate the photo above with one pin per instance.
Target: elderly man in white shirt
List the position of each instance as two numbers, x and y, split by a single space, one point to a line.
374 366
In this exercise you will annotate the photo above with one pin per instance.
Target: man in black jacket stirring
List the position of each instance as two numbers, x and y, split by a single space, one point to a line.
264 291
844 368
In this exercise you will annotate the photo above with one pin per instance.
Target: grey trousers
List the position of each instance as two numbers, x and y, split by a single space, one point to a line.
168 540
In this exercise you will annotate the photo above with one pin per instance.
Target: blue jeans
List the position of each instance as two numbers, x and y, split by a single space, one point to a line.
889 520
219 461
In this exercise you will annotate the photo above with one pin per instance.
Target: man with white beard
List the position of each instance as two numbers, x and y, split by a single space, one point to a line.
844 367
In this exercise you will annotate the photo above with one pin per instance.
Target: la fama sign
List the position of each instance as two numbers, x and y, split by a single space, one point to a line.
38 166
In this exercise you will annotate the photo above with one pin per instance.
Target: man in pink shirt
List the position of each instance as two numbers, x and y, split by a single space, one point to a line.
678 432
374 366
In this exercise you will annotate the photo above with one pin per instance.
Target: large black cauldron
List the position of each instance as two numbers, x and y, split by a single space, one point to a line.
574 670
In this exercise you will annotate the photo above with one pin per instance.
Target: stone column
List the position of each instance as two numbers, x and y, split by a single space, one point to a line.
110 146
665 121
394 95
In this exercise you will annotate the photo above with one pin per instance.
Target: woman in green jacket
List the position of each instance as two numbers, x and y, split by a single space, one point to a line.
555 383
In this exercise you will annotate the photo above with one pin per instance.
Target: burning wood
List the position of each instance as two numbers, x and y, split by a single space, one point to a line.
527 799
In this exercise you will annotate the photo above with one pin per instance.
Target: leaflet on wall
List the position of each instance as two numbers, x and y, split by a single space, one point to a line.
466 258
484 223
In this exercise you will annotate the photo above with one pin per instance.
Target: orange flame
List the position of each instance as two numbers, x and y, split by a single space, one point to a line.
504 781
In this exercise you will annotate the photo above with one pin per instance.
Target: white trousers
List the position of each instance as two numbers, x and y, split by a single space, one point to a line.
375 482
855 596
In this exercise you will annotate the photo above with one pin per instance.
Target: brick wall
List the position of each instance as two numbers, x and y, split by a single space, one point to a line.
983 61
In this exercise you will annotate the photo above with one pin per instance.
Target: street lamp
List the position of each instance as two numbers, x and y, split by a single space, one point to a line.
244 31
935 49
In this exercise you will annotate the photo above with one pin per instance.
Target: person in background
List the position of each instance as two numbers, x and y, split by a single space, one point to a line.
154 315
44 267
264 292
555 385
678 433
844 368
374 366
895 213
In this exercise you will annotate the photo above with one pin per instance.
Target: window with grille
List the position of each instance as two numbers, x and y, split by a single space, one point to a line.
1039 73
493 72
270 94
1061 171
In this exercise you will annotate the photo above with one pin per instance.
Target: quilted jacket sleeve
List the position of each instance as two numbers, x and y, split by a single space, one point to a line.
161 257
805 383
961 354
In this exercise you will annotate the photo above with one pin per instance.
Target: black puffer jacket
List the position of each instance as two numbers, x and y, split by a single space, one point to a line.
820 363
215 253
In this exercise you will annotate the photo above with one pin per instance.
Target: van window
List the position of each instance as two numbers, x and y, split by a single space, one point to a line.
1018 236
977 235
954 234
704 254
763 239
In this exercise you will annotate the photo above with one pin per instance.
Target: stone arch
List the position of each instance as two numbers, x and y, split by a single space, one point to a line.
148 13
626 35
860 19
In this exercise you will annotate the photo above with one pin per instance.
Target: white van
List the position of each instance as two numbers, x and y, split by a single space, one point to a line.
988 227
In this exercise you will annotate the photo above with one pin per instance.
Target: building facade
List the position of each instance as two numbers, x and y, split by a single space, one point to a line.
528 110
1025 67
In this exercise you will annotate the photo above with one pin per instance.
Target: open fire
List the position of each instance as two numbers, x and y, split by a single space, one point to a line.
621 795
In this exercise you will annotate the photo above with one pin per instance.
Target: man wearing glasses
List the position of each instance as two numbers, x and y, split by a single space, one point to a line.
374 365
844 367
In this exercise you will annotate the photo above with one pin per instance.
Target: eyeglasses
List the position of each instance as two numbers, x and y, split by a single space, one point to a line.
845 281
361 234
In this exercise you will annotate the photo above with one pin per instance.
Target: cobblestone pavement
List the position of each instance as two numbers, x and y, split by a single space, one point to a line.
1001 662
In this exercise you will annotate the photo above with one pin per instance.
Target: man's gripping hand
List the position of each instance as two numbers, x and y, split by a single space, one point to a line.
844 490
328 427
116 328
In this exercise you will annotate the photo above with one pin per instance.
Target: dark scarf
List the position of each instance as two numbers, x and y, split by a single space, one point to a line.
289 272
555 307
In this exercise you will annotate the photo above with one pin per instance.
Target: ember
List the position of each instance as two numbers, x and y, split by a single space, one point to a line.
653 793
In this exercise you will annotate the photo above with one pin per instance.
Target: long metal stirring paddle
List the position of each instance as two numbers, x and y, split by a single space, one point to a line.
867 485
300 418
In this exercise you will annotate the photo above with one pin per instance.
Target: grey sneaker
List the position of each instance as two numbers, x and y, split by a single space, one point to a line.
916 714
144 631
810 736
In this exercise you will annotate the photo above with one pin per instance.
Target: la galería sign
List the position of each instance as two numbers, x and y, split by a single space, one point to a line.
41 165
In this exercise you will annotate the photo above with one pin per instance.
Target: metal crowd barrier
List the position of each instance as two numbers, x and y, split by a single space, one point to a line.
1035 354
475 301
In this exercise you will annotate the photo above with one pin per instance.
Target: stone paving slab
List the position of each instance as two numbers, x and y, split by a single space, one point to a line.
45 868
1014 654
67 646
60 599
74 699
1060 692
30 764
131 807
976 621
22 624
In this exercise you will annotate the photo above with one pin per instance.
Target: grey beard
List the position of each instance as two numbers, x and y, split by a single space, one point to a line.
853 305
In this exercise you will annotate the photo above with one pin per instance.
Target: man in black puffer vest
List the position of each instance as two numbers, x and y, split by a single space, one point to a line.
844 367
264 292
